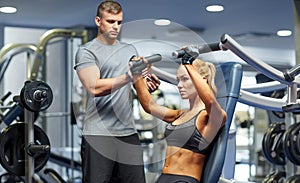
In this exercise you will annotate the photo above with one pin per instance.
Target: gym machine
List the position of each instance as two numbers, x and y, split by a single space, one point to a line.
289 105
25 146
10 50
289 155
13 110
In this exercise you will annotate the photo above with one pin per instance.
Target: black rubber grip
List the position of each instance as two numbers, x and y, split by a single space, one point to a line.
151 59
201 49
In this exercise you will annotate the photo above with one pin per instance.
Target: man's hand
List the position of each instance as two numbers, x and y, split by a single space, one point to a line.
151 80
137 65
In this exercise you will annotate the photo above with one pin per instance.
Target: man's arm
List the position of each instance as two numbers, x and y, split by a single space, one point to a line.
96 86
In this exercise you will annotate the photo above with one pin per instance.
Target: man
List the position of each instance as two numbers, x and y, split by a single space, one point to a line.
110 149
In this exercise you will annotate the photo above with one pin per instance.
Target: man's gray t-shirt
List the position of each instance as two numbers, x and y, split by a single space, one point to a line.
109 115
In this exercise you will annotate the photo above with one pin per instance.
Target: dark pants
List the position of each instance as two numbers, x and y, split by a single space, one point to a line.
171 178
112 159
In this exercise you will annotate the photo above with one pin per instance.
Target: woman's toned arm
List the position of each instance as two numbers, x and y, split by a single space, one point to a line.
149 105
216 115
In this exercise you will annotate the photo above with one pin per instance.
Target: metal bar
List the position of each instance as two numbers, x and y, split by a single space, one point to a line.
54 114
260 101
11 50
45 38
256 63
165 76
264 87
29 136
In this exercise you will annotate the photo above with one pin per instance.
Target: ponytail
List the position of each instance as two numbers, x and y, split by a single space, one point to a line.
207 70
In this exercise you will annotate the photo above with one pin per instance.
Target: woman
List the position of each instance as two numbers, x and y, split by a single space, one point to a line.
189 131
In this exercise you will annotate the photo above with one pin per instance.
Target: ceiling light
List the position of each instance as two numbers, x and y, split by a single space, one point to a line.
284 33
162 22
214 8
8 9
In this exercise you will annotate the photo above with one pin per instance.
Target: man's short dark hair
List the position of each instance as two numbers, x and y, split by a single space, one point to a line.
109 6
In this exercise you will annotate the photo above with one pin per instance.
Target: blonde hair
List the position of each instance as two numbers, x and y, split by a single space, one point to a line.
207 70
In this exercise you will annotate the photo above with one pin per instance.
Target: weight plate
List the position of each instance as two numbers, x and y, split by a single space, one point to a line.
297 141
12 148
272 144
275 177
36 96
291 143
268 177
293 179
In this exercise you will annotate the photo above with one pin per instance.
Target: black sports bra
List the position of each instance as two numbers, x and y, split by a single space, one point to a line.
187 136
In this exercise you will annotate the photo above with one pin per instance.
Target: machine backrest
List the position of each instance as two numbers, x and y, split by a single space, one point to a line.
228 81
